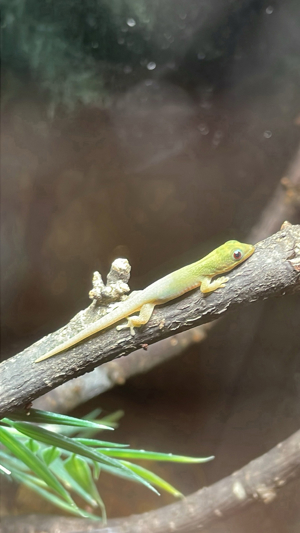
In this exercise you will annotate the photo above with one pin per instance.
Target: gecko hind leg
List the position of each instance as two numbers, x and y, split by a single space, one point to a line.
137 321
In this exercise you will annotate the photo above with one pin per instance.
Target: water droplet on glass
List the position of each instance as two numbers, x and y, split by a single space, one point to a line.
127 69
267 134
203 129
148 83
95 45
121 40
182 16
151 65
269 10
131 23
201 55
217 138
91 21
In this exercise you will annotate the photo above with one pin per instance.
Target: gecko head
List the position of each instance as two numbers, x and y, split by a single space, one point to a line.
233 253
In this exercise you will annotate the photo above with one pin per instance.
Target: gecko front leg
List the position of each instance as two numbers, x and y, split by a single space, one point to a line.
208 286
137 321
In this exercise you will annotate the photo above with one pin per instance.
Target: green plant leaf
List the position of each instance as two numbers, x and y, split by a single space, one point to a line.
154 456
96 470
66 443
33 462
92 415
10 460
111 419
62 474
49 454
153 479
97 443
37 453
35 485
44 417
58 468
32 445
81 473
34 479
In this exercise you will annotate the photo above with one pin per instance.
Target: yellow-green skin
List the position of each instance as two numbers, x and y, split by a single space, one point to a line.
221 260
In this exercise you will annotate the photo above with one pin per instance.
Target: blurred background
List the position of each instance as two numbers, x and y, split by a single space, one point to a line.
155 131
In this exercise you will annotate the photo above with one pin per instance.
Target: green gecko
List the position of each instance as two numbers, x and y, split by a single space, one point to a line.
220 260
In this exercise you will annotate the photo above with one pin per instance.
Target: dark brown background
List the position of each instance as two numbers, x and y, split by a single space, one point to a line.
160 168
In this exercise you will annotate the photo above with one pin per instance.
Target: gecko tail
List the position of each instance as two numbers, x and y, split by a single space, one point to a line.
105 322
56 350
68 343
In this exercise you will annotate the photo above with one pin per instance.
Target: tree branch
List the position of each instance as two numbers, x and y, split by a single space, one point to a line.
75 392
283 205
273 270
257 482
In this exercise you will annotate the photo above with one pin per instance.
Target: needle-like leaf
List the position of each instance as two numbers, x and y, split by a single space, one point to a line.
97 443
34 463
153 456
36 485
81 473
45 417
53 439
153 479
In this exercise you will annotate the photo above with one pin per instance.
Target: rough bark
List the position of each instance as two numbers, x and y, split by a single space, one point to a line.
273 270
283 205
77 391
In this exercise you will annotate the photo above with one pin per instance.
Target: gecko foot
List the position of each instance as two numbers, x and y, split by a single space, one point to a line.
128 325
222 281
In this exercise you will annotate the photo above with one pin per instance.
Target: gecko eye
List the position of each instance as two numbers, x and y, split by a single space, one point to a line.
237 254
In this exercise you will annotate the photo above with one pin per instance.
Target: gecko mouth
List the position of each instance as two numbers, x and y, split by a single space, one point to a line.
250 252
